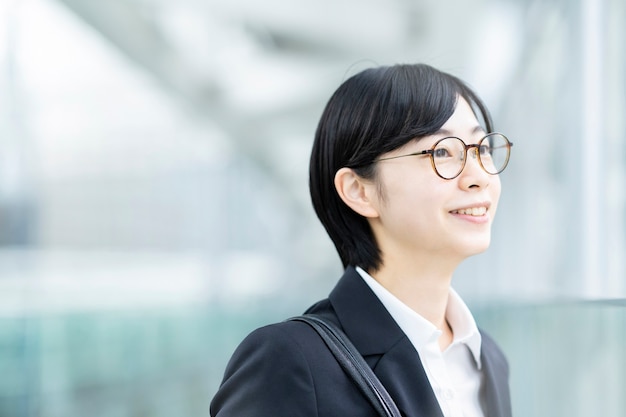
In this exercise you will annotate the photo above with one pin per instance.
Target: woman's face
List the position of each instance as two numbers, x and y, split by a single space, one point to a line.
420 213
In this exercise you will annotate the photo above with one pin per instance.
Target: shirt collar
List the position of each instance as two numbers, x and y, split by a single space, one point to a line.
421 331
463 324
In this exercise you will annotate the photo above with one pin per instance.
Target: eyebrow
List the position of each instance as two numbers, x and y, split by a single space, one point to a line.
476 129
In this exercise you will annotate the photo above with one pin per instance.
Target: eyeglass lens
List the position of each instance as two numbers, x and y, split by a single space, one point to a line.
449 155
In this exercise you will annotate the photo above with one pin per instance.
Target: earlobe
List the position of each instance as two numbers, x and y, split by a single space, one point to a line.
356 192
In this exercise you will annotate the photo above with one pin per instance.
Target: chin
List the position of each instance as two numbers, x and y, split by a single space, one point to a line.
476 247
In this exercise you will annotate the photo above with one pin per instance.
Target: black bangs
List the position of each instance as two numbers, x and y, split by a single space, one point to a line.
422 100
395 104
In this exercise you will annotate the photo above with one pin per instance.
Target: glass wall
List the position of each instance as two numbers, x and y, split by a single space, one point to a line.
154 201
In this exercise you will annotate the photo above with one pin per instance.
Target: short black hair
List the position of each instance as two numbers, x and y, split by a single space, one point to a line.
371 113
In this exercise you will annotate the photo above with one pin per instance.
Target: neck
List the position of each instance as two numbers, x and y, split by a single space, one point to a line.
422 284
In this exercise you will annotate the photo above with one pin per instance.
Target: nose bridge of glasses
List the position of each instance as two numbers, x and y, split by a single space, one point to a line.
473 150
477 161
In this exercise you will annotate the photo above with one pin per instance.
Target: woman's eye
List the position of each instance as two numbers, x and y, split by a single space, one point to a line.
441 153
484 150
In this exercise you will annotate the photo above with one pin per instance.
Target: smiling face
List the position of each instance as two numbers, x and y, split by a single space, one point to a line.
418 214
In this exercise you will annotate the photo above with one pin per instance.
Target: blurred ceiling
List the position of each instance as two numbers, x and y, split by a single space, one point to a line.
263 70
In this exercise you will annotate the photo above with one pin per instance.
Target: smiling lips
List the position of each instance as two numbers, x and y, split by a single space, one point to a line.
471 211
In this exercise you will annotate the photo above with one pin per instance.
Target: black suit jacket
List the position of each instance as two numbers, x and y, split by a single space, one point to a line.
285 369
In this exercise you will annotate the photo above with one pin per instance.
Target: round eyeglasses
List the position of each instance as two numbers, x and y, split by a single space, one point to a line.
448 155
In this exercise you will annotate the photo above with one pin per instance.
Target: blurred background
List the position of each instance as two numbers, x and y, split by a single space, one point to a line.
154 201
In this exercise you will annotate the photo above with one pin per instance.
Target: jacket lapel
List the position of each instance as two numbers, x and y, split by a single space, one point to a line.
496 384
383 345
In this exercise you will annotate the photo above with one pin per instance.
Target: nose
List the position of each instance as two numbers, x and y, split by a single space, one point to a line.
473 175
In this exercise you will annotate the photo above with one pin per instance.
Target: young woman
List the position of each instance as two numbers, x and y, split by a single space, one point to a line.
404 177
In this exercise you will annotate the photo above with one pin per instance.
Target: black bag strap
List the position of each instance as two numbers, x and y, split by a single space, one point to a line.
353 364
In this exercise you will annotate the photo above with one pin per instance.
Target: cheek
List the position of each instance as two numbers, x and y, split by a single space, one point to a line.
411 194
417 201
495 182
496 189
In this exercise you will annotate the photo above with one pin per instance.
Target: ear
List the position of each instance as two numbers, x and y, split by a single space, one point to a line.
356 192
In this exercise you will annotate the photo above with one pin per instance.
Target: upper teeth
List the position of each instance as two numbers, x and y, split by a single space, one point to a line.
474 211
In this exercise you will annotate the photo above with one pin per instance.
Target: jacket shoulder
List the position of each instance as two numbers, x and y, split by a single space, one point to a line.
268 374
285 369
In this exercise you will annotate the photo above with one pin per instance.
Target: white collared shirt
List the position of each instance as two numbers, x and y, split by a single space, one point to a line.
454 374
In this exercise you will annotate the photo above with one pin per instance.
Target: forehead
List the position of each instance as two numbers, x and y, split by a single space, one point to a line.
462 124
463 121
